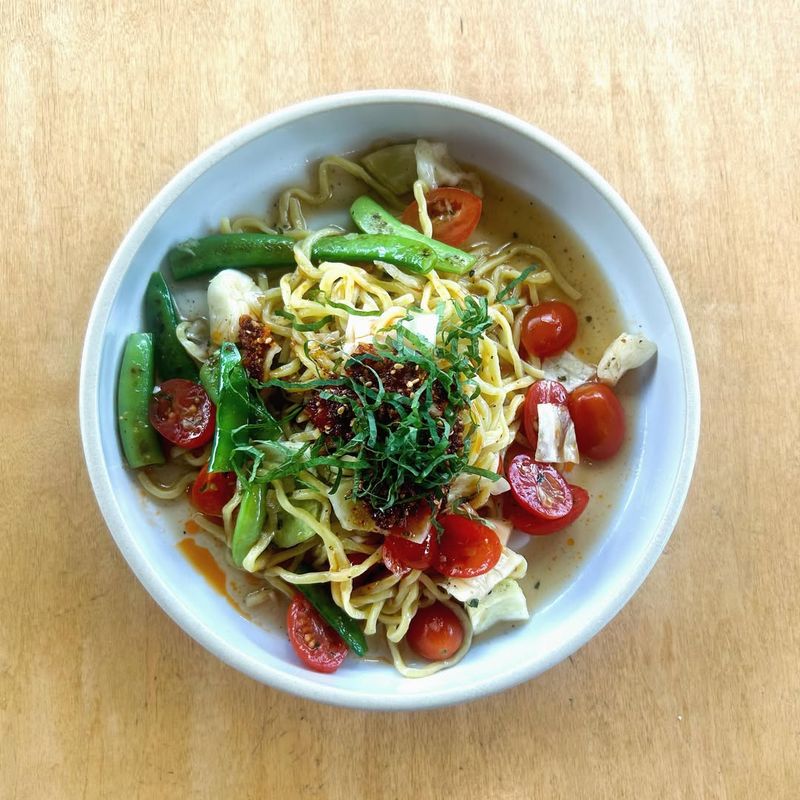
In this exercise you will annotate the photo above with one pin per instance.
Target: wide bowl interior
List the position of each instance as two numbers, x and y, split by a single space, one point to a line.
239 175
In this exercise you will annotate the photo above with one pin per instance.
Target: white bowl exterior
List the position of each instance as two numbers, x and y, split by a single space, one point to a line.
241 174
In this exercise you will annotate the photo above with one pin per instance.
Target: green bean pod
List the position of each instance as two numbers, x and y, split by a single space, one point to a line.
161 319
320 597
140 442
233 407
245 250
249 521
371 218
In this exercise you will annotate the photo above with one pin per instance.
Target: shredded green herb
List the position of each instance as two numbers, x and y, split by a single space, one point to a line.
357 312
303 326
401 447
504 295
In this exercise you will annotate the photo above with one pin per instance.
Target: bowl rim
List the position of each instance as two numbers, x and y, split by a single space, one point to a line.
176 607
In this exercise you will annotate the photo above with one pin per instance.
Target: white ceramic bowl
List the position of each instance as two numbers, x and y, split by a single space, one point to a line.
238 174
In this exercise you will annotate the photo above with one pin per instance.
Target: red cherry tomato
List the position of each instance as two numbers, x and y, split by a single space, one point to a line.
435 633
182 413
466 547
317 645
401 555
549 328
539 488
599 420
535 526
514 449
454 214
212 490
540 392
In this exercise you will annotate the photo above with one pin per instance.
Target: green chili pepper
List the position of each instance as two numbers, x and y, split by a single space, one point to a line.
320 597
161 318
373 219
140 443
243 250
249 521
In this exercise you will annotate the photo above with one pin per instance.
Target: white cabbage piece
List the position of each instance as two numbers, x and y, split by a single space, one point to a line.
568 370
435 167
627 351
359 330
353 515
424 324
556 443
466 589
505 603
501 528
230 295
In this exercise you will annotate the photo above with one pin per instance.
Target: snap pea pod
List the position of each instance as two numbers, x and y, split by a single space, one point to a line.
242 250
161 319
249 521
241 413
140 443
209 377
320 597
220 251
373 219
233 407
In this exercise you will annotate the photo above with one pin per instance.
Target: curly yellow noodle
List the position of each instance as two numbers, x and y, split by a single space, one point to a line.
325 189
165 492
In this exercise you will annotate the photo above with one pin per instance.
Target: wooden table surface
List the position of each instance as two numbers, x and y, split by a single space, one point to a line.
691 111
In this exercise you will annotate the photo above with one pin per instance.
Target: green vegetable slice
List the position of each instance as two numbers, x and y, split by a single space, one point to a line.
319 596
140 442
373 219
161 319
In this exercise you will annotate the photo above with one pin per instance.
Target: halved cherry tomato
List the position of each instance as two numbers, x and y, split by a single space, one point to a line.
548 328
466 547
435 633
182 413
212 490
539 488
401 555
317 645
599 420
540 392
514 449
454 214
535 526
416 524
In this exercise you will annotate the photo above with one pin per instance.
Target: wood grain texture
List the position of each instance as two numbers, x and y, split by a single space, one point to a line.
691 111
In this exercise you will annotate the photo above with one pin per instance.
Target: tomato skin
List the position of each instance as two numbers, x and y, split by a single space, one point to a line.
182 413
540 392
212 490
514 449
435 633
401 555
534 526
539 488
549 328
317 645
599 420
454 214
466 547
